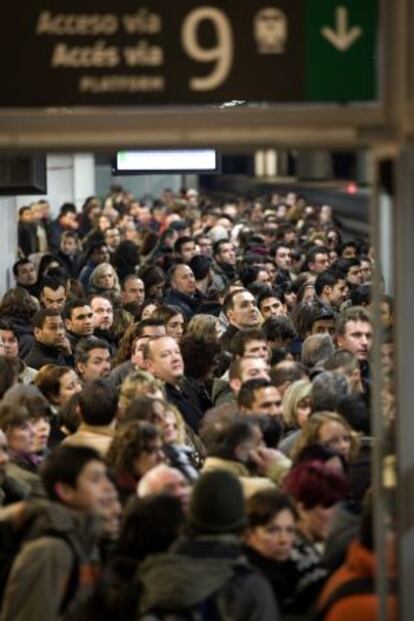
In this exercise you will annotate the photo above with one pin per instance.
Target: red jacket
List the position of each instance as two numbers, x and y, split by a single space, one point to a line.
359 563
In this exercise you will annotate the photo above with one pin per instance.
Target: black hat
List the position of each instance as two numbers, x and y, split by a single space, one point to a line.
217 503
200 265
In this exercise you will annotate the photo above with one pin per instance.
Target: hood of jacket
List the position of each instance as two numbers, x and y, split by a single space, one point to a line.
176 582
44 517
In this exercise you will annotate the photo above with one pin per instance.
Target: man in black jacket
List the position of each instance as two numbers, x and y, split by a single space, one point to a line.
51 345
78 317
164 361
183 286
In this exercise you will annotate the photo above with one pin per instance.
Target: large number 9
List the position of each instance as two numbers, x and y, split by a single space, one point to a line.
222 53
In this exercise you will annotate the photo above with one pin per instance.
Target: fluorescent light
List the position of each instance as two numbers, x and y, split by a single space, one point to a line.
166 160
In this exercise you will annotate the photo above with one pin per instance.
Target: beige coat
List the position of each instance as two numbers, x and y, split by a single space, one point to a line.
98 438
250 484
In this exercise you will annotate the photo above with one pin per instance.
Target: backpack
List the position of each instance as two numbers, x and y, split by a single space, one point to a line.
11 543
212 608
118 596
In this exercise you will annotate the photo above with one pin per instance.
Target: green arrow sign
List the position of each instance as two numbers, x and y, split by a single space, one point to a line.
341 50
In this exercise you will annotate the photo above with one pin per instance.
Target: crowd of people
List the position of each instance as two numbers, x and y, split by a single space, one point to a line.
185 407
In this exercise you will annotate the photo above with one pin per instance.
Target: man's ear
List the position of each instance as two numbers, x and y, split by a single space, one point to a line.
80 368
339 340
235 385
64 492
230 314
148 364
36 332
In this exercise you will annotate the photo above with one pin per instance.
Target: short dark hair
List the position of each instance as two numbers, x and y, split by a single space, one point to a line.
287 371
199 355
312 252
64 465
71 305
342 266
328 278
361 295
267 503
18 264
348 244
222 434
279 328
127 278
248 274
39 317
98 402
52 283
67 208
245 397
229 299
145 323
242 337
268 293
5 324
179 243
85 346
218 244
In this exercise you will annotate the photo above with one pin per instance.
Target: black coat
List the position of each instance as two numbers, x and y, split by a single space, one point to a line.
187 304
41 354
187 402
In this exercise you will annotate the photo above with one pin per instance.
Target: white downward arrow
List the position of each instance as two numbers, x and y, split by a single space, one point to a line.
342 37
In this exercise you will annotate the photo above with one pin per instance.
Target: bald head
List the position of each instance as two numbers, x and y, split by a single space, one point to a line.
163 359
164 480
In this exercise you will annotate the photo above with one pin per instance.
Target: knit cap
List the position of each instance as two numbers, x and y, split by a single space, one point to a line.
217 503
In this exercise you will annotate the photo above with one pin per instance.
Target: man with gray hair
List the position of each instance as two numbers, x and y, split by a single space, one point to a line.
328 389
316 348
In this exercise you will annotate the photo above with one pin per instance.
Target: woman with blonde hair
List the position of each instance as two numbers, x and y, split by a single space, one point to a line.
297 404
330 430
104 279
136 384
296 411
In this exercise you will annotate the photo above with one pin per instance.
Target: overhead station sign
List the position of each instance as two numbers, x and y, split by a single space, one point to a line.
188 52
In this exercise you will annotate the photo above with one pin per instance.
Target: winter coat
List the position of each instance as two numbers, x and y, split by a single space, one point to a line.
186 303
37 583
41 354
282 575
98 437
196 569
27 477
250 484
360 563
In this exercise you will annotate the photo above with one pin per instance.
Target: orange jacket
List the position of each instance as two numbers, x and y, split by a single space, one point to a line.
359 563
